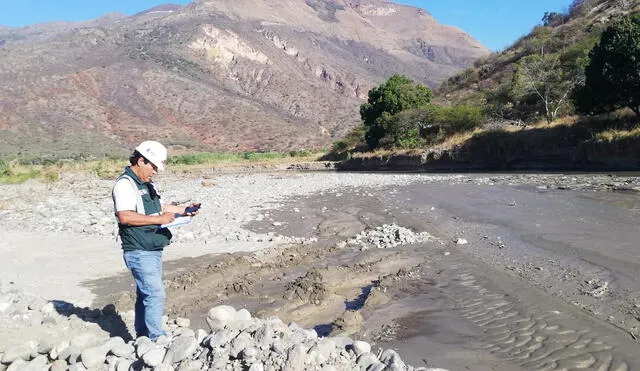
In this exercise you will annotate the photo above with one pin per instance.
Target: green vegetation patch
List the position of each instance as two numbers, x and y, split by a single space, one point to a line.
399 115
217 157
10 176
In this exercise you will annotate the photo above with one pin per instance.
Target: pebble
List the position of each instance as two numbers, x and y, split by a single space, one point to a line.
58 365
143 345
22 351
183 322
123 364
18 364
123 350
182 347
154 356
361 347
40 363
218 317
58 349
385 237
94 356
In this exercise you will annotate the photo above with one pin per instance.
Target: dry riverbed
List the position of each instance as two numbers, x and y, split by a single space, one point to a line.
479 272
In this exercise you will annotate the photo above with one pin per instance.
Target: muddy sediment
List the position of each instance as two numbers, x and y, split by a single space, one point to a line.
532 288
496 272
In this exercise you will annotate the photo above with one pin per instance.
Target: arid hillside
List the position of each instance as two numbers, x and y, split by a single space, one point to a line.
215 75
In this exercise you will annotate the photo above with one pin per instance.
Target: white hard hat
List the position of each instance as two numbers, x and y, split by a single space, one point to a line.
153 151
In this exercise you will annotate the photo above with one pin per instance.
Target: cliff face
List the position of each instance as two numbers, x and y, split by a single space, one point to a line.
243 75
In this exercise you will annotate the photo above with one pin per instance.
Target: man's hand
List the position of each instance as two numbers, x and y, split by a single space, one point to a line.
191 210
180 210
166 218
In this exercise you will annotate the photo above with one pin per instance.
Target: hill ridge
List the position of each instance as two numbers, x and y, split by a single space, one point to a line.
213 75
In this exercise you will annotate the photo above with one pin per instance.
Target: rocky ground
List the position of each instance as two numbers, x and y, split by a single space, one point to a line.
480 272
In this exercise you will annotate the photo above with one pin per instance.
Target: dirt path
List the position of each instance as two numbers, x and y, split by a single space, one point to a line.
546 281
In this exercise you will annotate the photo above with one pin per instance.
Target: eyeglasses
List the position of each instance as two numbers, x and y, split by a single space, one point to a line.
155 168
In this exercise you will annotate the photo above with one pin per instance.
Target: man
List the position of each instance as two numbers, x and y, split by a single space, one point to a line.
140 214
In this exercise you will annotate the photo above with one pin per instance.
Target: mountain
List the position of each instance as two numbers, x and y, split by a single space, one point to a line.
168 8
215 75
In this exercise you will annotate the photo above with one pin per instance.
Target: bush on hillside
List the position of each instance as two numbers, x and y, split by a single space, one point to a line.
612 78
353 141
458 119
553 19
5 168
403 130
419 127
397 94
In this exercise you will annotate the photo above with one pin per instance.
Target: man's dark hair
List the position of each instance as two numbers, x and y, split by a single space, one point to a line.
135 156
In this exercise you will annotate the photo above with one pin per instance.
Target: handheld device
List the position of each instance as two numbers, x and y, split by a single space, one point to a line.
189 210
192 209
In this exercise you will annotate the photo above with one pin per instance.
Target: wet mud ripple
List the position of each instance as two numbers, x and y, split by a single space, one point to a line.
534 338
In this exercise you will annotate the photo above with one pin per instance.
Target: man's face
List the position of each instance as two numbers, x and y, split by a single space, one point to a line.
147 169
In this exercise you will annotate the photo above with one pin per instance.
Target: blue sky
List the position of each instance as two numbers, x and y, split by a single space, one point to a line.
496 23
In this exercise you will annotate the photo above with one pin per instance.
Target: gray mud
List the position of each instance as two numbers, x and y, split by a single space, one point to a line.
546 281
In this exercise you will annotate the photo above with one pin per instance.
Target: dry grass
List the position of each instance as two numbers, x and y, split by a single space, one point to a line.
235 162
616 135
110 169
567 120
535 139
457 139
384 153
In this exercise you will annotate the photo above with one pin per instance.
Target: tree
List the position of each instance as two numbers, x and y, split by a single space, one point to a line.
414 128
397 94
552 19
540 39
581 7
613 73
548 79
403 130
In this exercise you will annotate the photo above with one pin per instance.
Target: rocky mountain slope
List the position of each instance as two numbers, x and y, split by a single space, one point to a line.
225 75
491 81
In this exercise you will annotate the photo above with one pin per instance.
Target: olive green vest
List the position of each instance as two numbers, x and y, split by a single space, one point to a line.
147 237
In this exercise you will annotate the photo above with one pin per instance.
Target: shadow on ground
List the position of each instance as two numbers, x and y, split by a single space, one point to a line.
107 318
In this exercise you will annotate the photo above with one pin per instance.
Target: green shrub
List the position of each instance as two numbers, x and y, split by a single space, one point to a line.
354 138
397 94
19 178
103 169
339 146
189 159
612 77
340 149
202 158
51 175
410 139
457 119
300 153
5 168
260 156
213 157
553 19
402 130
